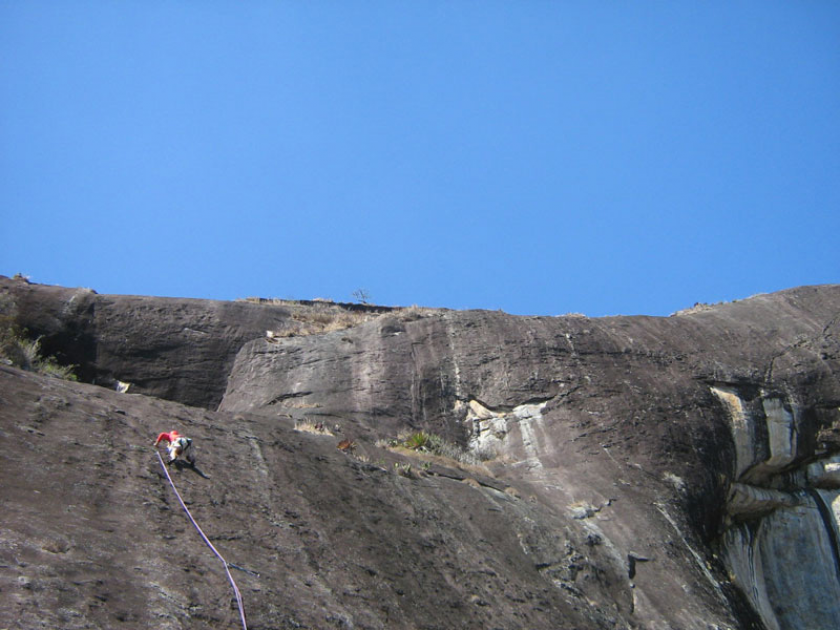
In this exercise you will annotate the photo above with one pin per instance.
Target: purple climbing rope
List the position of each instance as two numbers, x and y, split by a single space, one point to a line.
206 540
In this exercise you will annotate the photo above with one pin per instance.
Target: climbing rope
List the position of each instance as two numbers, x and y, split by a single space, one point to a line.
206 540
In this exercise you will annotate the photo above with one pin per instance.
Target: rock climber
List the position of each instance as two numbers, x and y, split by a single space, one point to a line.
178 445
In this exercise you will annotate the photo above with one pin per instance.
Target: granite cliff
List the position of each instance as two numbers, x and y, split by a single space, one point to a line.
624 472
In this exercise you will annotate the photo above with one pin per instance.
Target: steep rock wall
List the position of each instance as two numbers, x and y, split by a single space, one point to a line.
644 472
629 425
780 544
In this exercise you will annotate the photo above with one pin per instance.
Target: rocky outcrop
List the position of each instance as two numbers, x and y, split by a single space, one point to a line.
636 472
173 348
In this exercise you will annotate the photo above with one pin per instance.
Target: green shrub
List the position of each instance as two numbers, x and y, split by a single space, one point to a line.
417 441
49 367
25 353
432 445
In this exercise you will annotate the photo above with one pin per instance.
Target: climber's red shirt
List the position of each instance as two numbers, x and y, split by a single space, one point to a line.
167 437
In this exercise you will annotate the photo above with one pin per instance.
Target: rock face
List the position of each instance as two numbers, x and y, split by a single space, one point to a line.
178 349
637 472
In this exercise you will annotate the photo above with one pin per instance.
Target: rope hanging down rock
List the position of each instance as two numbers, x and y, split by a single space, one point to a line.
206 540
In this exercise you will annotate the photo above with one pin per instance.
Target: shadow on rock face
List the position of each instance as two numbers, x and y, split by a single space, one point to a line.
181 465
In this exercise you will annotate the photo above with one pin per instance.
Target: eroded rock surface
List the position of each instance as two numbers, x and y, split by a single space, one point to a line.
639 472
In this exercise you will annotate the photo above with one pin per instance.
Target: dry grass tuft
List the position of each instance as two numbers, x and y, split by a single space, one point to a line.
320 316
307 426
443 460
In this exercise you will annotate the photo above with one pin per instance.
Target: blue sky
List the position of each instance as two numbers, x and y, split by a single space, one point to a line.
531 156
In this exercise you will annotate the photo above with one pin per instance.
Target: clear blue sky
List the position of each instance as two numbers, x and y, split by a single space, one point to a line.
531 156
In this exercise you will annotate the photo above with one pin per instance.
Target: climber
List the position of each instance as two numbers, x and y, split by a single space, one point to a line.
178 445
